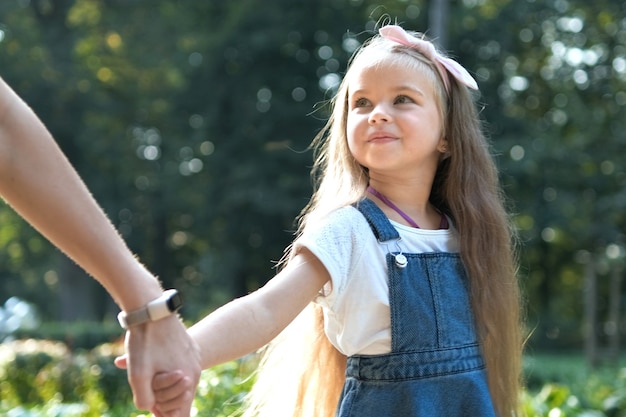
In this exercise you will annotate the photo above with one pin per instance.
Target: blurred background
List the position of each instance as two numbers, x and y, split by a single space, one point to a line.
190 122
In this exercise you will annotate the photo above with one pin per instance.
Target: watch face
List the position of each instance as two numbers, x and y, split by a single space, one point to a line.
174 302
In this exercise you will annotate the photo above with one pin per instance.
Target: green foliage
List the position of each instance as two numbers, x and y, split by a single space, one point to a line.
562 385
222 389
192 133
34 372
20 377
44 379
77 335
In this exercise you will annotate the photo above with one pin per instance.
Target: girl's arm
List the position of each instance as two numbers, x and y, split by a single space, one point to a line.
245 325
37 180
248 323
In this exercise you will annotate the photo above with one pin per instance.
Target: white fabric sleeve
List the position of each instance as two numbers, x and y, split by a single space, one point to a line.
335 242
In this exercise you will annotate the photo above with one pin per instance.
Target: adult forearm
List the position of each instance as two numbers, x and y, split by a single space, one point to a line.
37 180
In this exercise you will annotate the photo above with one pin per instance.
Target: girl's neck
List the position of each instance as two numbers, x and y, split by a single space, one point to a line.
411 196
407 207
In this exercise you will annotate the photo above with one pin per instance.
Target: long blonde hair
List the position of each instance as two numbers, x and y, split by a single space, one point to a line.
301 373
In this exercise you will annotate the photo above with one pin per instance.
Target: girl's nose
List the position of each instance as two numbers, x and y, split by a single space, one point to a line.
380 114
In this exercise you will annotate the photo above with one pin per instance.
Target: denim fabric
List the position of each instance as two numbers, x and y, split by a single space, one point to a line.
435 368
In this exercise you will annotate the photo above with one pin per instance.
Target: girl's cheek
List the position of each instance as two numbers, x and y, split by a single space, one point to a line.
353 125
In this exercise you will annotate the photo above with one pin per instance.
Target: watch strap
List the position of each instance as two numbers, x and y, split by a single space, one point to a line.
134 317
168 303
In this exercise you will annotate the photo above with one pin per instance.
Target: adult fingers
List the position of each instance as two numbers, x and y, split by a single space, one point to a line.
140 369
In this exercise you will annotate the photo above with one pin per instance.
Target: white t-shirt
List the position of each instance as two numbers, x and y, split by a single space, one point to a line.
356 303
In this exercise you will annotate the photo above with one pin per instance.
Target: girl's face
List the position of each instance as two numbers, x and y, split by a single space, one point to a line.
394 125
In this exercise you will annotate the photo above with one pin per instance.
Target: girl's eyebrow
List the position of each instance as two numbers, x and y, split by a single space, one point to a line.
398 89
403 88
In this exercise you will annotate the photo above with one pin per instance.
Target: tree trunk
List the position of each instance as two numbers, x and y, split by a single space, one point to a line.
614 313
591 313
437 22
76 291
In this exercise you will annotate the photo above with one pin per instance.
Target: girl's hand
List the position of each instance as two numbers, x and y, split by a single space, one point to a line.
172 392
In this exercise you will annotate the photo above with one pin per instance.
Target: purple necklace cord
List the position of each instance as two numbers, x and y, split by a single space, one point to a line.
393 206
442 225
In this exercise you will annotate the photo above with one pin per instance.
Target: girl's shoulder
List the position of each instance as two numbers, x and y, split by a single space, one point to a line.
341 221
341 231
348 224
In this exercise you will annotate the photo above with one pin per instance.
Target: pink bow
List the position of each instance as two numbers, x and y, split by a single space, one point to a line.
399 35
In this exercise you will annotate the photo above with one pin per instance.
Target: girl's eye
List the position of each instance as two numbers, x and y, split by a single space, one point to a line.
403 99
361 102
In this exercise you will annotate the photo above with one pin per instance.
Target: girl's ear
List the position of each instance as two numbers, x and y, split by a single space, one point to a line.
443 148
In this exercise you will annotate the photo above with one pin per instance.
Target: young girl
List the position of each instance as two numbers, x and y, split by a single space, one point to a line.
403 256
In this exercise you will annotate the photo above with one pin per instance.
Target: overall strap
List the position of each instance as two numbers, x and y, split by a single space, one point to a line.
382 228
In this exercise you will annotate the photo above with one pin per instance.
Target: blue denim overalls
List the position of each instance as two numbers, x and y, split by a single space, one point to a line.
435 368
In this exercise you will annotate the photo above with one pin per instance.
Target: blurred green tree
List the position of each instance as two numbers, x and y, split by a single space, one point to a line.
190 122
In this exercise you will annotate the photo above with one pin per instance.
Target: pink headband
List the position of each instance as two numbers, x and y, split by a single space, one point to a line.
399 35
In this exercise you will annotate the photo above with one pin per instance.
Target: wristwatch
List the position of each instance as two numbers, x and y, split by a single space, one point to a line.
168 303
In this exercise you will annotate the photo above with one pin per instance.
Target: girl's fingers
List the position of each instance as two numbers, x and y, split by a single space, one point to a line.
171 407
173 392
171 389
164 380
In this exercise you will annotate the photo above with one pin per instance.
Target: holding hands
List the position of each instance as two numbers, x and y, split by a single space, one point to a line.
163 365
165 393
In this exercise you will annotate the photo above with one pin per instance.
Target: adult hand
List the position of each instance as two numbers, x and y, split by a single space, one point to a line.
155 347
